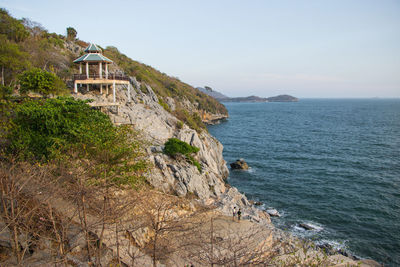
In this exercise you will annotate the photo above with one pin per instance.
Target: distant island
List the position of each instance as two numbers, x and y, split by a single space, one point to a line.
252 99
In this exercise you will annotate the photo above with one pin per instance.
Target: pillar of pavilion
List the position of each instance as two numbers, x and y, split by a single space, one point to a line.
100 75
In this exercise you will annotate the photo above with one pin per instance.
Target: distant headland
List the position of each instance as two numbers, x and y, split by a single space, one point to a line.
252 99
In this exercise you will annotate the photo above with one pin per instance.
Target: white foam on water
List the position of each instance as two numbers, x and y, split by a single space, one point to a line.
299 231
334 243
316 227
251 170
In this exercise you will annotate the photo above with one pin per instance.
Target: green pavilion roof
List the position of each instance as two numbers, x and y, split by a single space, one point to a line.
92 48
93 57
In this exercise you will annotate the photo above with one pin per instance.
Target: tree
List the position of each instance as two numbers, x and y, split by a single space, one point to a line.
22 207
12 28
162 215
35 28
220 242
40 81
71 33
12 60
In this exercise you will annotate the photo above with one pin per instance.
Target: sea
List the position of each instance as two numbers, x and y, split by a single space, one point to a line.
330 163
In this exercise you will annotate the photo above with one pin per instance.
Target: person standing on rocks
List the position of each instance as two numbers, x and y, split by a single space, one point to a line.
239 213
234 213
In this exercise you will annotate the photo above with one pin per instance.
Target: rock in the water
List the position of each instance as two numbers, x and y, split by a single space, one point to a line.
240 164
306 226
309 227
273 212
255 203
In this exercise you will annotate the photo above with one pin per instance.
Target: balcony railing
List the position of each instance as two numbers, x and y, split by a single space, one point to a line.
111 76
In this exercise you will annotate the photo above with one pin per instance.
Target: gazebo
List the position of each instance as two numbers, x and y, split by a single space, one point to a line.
94 57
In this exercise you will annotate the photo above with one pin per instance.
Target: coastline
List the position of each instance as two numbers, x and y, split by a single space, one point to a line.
177 177
252 180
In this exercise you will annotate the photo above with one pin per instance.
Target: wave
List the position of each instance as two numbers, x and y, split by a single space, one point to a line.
336 245
300 230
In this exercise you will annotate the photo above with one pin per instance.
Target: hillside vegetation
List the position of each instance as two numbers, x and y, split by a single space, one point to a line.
25 44
66 130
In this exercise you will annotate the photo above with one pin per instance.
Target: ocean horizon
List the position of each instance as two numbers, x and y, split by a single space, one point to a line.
331 163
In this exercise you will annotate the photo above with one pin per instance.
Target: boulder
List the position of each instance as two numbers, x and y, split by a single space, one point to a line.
255 203
160 163
306 226
273 212
156 149
181 189
309 227
239 164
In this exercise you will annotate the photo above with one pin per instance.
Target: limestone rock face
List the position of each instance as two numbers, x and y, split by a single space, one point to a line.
169 175
177 175
171 103
239 164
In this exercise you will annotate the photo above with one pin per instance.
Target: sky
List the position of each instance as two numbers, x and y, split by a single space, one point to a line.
308 49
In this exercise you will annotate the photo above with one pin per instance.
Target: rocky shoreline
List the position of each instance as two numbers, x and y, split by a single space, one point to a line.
214 119
178 177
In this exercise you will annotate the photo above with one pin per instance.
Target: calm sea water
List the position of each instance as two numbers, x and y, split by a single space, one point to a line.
331 163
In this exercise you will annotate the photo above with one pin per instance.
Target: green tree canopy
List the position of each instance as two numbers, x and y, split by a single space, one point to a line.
65 128
12 28
12 60
175 146
41 81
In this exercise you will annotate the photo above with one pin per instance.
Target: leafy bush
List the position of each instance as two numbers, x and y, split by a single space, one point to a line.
44 127
5 91
175 146
64 128
40 81
6 113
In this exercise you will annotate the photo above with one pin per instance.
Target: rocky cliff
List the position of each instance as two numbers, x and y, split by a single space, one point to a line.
170 175
63 218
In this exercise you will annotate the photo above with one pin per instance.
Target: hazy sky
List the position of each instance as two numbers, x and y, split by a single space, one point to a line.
336 48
